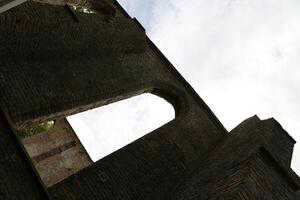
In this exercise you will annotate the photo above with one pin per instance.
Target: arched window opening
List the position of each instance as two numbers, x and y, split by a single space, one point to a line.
106 129
61 148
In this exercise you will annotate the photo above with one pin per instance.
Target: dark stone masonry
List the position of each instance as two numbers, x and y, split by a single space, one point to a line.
55 62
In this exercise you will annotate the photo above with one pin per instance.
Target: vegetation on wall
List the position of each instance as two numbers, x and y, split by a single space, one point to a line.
36 129
82 9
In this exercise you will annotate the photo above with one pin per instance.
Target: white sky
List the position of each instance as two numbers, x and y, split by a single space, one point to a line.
241 56
106 129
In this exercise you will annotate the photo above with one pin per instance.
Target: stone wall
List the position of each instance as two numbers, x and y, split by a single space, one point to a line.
17 178
57 153
81 61
245 167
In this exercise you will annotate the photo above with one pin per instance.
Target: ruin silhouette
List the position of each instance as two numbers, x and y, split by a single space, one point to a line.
56 61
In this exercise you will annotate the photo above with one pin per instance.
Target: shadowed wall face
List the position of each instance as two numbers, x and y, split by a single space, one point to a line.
86 64
247 165
18 181
82 61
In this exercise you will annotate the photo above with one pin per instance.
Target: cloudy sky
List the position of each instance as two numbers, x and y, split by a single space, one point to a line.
241 56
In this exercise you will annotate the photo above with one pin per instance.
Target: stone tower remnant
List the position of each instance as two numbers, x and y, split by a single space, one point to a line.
55 62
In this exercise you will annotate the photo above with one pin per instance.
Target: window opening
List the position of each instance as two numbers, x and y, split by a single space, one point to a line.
57 151
106 129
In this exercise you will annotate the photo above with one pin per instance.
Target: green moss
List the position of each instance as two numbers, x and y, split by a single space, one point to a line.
36 129
81 9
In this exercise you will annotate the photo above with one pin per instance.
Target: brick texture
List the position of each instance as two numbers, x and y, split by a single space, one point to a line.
55 63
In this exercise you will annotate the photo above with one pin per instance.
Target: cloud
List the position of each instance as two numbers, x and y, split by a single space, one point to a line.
242 57
106 129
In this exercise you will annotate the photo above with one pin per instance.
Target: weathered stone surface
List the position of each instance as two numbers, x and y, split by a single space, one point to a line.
246 166
57 153
82 61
